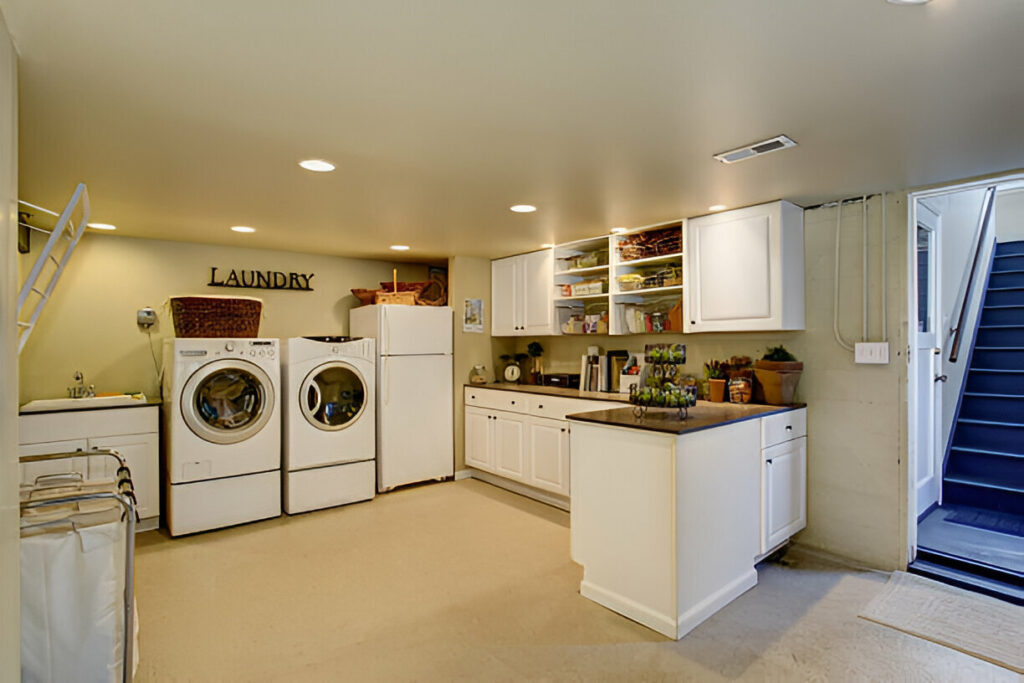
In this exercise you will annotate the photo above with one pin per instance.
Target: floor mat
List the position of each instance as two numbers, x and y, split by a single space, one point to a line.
978 625
984 519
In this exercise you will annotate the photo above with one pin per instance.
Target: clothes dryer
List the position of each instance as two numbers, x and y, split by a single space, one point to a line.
329 417
222 432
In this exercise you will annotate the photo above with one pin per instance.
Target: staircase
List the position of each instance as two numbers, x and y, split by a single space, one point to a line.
975 539
985 468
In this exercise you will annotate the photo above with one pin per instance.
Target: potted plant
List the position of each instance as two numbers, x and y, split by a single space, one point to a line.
716 372
535 351
778 372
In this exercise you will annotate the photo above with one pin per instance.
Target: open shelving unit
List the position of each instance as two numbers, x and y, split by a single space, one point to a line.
653 303
581 267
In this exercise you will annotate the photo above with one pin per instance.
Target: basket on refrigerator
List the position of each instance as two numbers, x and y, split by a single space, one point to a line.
216 316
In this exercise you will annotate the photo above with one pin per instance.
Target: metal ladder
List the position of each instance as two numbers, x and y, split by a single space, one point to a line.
51 261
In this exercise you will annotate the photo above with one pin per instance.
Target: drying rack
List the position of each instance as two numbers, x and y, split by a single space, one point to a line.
70 490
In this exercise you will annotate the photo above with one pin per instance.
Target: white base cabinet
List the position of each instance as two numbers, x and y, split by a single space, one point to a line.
783 478
522 437
132 432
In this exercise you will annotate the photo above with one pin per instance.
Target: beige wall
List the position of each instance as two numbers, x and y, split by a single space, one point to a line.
89 324
1010 215
10 585
856 413
470 278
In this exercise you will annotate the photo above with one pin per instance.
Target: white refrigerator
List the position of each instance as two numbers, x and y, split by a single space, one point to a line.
414 391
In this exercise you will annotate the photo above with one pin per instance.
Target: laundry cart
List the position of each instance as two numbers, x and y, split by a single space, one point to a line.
77 567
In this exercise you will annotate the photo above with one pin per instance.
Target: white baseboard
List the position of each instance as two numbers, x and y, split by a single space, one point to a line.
464 473
147 524
642 614
692 618
554 500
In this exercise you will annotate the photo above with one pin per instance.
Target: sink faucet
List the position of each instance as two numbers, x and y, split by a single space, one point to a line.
79 390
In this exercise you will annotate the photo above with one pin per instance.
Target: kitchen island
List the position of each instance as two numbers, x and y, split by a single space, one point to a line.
670 515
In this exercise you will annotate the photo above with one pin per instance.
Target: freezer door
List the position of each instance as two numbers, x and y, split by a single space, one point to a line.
414 420
415 330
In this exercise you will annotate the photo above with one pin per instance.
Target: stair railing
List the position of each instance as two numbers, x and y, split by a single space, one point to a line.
967 284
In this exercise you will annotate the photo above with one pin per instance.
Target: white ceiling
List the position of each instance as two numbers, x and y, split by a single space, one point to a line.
187 117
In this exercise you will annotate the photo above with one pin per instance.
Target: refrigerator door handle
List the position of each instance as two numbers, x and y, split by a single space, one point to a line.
387 383
386 328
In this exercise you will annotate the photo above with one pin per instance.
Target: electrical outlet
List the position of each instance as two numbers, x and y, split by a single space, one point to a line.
872 353
146 318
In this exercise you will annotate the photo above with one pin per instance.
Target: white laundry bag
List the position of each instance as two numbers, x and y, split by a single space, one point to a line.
72 603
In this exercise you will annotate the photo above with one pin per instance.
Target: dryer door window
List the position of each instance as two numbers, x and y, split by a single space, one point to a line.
227 401
333 396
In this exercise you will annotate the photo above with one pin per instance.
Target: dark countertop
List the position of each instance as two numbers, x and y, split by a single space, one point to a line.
148 403
555 391
704 415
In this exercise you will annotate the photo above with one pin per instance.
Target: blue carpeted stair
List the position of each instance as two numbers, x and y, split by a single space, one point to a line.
985 468
974 539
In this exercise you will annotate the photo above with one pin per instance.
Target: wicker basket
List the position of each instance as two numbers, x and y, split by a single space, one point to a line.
216 316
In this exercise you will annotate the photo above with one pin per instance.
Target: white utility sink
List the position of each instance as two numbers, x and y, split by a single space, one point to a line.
48 404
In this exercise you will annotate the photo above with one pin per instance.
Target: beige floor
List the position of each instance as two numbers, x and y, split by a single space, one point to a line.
464 581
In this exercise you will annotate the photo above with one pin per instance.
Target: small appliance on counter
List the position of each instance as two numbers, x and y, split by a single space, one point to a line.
561 379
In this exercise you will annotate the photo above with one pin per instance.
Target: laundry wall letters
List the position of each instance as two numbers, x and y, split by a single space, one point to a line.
261 279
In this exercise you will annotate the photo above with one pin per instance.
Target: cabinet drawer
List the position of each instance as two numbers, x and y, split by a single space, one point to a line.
557 407
497 399
782 427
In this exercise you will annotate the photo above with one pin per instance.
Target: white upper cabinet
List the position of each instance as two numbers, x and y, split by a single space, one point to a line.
745 270
521 295
505 297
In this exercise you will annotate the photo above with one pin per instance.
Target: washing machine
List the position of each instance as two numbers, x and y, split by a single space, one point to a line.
330 432
222 432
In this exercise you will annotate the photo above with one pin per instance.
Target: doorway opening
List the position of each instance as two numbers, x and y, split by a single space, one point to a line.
966 385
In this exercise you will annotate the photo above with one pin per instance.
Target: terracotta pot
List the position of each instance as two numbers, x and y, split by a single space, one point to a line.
716 390
778 386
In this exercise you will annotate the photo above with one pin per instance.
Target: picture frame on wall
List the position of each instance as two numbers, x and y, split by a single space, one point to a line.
473 316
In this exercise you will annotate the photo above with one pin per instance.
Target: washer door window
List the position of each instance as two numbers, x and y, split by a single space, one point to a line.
227 401
333 396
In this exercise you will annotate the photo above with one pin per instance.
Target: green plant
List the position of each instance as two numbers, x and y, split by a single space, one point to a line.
534 349
778 353
716 369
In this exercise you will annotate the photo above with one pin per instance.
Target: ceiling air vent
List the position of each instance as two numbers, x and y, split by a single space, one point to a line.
755 149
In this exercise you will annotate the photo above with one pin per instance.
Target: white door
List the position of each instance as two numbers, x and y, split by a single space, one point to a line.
538 280
785 481
504 297
927 361
510 446
549 455
479 441
414 419
415 330
31 470
141 453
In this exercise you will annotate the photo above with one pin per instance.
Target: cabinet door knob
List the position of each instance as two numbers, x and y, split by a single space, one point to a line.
563 429
541 405
513 402
789 428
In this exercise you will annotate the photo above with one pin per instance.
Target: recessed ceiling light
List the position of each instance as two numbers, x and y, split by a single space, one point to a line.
907 2
242 228
716 207
102 226
619 231
318 165
546 245
523 208
400 247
